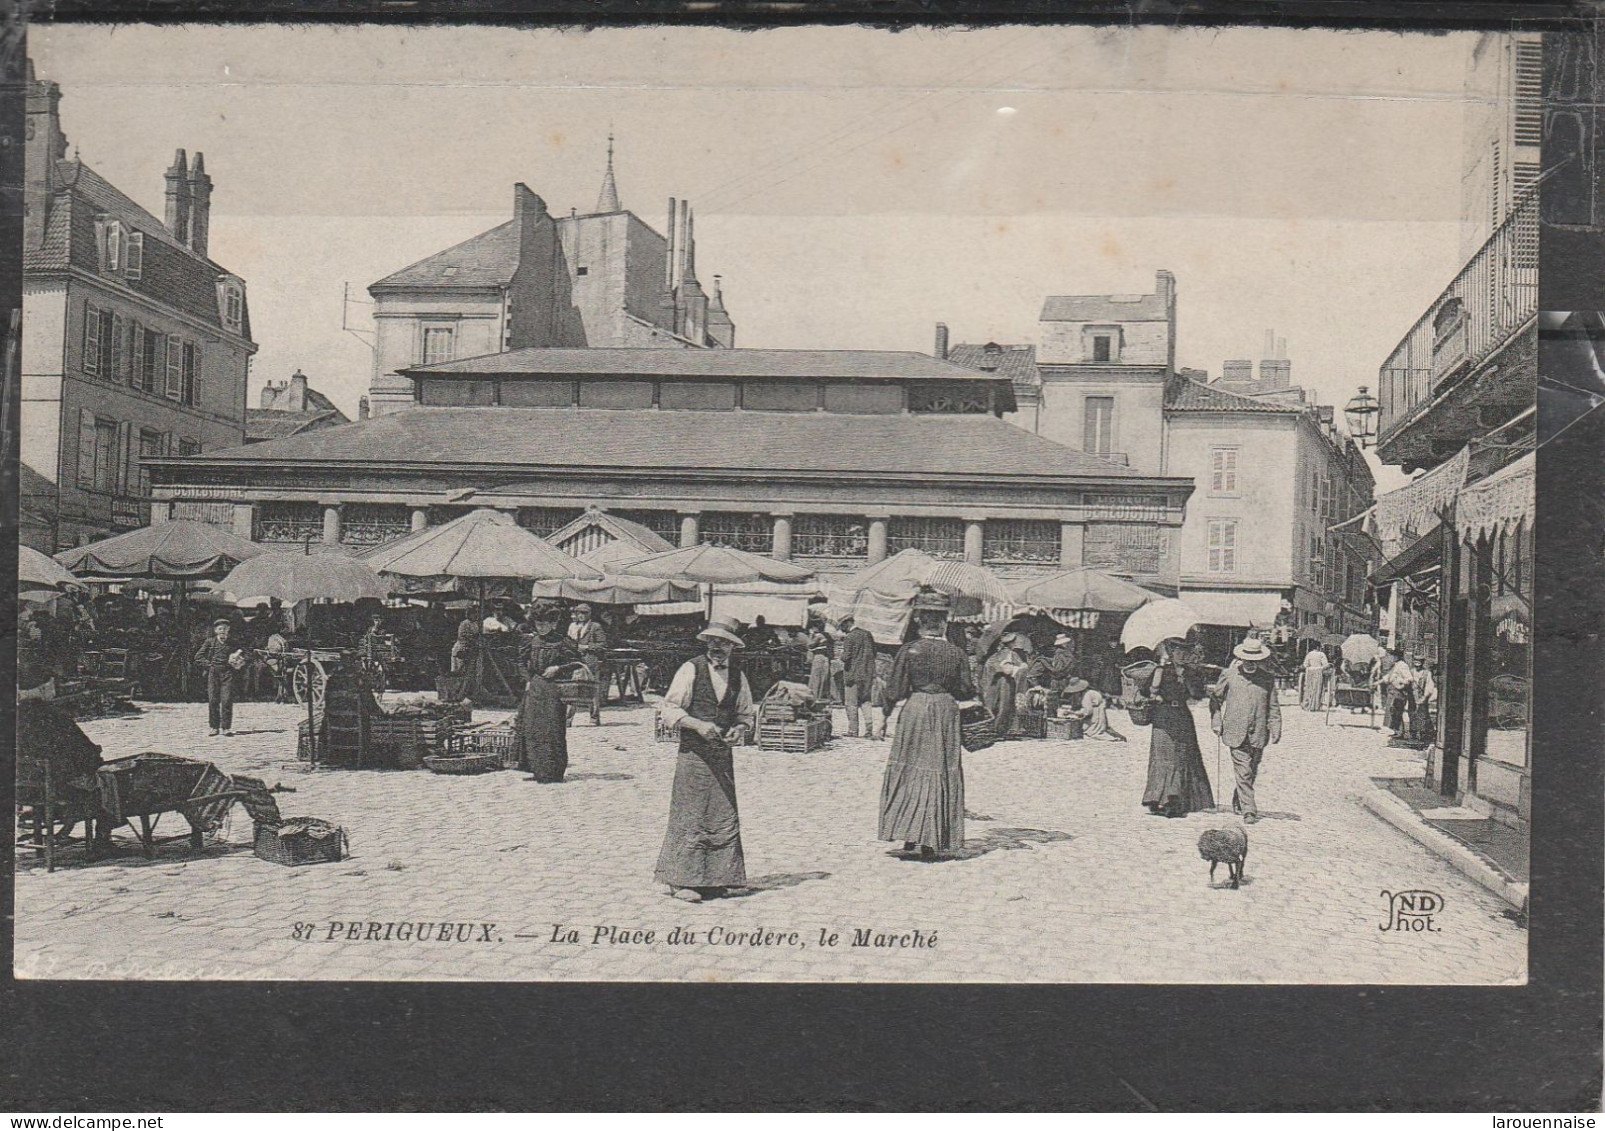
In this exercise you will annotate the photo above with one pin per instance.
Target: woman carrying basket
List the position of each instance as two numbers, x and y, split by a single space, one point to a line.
542 715
1177 782
922 794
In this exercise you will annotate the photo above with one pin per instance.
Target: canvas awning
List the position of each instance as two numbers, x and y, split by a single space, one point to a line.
1500 502
1245 609
1419 554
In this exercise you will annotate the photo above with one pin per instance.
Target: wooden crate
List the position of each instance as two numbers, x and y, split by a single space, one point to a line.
1029 724
498 740
1066 729
405 741
794 738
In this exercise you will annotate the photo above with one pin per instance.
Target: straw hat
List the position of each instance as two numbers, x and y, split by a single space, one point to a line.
1252 651
1062 639
723 628
1076 686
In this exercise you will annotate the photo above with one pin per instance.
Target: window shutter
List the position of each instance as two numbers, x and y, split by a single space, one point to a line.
124 436
114 245
91 358
134 265
136 368
1229 547
175 367
86 448
119 352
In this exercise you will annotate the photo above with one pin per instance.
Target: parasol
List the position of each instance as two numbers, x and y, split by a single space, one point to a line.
1164 619
614 589
918 568
1080 589
483 545
297 577
1360 648
35 572
713 566
180 550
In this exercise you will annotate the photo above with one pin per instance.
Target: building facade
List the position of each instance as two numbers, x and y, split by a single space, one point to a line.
1458 400
605 279
1271 471
135 344
832 458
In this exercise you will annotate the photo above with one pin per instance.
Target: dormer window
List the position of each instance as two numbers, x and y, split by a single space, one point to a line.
122 251
1101 344
231 302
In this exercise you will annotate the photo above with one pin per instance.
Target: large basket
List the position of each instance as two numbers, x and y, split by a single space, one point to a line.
797 737
1030 724
1070 730
463 763
1141 711
978 729
1136 680
301 840
576 692
496 740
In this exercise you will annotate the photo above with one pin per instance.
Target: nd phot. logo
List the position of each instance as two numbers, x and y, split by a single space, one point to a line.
1411 911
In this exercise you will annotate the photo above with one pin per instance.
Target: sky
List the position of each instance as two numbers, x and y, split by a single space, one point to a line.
852 186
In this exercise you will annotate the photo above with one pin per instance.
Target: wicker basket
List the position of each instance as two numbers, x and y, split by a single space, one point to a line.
497 740
977 727
1071 730
463 763
576 692
797 737
1030 724
1141 712
301 840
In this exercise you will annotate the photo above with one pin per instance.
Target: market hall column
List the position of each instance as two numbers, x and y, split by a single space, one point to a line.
877 540
782 549
688 531
420 519
331 524
973 543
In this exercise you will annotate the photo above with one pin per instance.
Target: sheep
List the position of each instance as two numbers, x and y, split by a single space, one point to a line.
1228 846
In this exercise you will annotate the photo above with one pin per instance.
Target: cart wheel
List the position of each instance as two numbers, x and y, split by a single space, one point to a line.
313 670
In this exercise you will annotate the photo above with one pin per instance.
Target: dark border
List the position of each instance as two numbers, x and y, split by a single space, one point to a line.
377 1047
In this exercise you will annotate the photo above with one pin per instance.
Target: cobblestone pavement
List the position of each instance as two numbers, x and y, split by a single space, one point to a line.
1064 876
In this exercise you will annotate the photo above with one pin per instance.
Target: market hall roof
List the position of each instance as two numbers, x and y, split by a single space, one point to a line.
666 441
901 365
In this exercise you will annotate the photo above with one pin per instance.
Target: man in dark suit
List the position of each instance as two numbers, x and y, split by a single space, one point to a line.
858 677
1244 703
213 656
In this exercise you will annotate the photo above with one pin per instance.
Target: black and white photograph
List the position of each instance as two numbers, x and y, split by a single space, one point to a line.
810 505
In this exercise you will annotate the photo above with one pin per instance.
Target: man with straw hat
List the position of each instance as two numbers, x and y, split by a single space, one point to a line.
1250 719
710 703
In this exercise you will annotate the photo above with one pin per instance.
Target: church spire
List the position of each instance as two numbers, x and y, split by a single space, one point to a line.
608 200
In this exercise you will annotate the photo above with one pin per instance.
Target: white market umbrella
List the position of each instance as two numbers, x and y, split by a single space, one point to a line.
1165 619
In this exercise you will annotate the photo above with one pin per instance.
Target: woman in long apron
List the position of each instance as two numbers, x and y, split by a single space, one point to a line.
922 792
1177 782
542 715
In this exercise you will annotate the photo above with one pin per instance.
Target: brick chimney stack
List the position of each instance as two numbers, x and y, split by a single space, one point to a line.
941 341
178 198
298 392
200 217
46 145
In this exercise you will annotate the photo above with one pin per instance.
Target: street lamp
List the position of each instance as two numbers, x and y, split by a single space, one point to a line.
1361 414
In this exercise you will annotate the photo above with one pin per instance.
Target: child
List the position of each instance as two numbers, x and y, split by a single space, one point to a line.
1093 712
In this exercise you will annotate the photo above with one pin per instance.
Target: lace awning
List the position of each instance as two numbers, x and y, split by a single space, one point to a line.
1399 516
1500 502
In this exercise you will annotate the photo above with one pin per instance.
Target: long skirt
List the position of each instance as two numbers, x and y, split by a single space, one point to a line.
819 676
543 731
1312 689
702 848
999 696
922 794
1177 781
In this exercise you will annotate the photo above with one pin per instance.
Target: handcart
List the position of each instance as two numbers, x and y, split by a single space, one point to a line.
1353 701
143 787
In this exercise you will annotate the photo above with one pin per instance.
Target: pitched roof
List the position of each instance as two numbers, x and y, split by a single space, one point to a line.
1103 308
530 439
622 529
1187 395
707 363
171 272
31 483
262 424
489 259
1017 362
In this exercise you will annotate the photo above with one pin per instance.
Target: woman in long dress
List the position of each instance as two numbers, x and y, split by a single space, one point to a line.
1177 782
1001 675
1312 682
922 793
542 715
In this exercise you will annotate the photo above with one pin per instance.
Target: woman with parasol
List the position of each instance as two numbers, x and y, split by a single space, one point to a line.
1177 782
922 794
542 715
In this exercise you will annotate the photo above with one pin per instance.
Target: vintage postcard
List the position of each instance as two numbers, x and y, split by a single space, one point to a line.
805 505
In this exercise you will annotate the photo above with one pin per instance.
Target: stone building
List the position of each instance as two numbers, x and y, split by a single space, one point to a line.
836 458
1271 471
602 279
135 344
288 408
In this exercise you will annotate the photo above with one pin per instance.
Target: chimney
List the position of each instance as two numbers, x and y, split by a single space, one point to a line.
1270 346
46 145
1165 288
668 255
178 198
526 203
1276 374
682 240
200 217
690 245
941 341
1237 371
298 392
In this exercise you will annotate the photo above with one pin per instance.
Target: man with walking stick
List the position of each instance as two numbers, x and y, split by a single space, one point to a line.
1250 718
